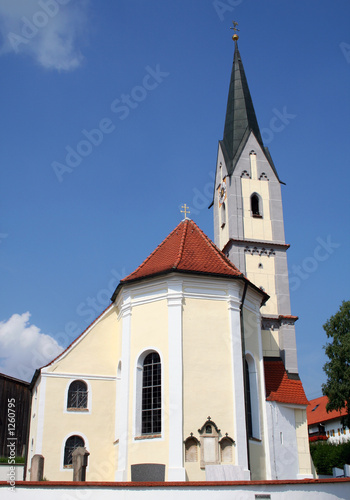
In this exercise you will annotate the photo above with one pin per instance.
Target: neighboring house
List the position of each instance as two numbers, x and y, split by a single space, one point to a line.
15 403
194 363
323 425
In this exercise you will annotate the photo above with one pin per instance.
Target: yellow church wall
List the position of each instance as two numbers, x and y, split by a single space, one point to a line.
270 342
302 442
96 428
263 277
96 352
207 377
256 228
149 321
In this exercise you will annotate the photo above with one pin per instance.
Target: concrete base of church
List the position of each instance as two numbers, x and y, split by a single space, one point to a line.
307 489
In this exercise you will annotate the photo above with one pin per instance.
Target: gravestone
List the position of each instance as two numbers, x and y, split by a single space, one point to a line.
148 472
37 468
80 461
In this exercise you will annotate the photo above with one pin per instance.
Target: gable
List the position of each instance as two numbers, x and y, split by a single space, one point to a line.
95 351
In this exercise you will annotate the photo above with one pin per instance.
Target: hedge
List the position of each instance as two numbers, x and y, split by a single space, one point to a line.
326 456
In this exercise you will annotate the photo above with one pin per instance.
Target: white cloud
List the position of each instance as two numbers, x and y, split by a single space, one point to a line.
23 348
50 31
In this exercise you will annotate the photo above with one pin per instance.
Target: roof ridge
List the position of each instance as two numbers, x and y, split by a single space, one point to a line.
186 249
182 243
152 253
222 256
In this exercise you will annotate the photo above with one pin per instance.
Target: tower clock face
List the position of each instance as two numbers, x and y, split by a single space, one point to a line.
222 193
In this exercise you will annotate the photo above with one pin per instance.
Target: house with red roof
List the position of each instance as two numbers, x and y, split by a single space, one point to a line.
323 425
191 373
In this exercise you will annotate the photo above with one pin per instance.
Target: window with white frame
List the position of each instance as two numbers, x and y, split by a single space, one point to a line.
77 395
151 411
72 443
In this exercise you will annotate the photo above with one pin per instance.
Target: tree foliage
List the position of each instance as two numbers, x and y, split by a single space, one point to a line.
337 369
325 456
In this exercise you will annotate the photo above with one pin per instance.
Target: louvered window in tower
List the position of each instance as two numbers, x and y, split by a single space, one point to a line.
254 205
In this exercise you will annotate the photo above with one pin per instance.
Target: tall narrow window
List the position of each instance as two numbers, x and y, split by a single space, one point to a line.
252 398
223 215
254 205
248 401
151 395
72 443
77 395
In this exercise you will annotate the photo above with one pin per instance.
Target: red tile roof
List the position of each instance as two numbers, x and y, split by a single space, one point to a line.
185 249
317 413
280 387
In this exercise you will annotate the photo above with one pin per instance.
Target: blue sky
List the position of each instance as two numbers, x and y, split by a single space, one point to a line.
73 224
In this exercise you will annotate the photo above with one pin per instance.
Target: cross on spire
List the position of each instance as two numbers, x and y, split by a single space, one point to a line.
235 29
185 210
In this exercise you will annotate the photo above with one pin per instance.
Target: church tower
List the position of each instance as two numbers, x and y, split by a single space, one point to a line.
248 215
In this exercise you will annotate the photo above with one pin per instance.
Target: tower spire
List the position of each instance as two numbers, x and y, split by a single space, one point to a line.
240 114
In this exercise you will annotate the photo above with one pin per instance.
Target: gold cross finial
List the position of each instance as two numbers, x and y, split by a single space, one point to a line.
185 210
235 29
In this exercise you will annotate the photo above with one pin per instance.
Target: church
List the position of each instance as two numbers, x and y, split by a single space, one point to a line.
191 373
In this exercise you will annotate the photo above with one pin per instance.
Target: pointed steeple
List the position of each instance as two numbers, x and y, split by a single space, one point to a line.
240 115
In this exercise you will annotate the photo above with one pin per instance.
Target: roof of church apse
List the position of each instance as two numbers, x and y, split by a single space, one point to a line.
187 250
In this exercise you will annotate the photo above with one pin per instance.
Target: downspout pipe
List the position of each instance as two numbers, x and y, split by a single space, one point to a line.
244 370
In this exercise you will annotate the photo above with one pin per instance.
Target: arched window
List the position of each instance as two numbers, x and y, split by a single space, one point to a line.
77 395
72 443
248 401
252 398
254 205
151 419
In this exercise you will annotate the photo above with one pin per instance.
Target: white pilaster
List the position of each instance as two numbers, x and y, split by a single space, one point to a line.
41 415
122 472
176 471
238 384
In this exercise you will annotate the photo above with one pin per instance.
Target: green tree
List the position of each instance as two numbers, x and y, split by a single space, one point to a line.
337 369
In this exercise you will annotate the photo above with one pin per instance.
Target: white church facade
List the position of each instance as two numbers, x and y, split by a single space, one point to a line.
191 372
